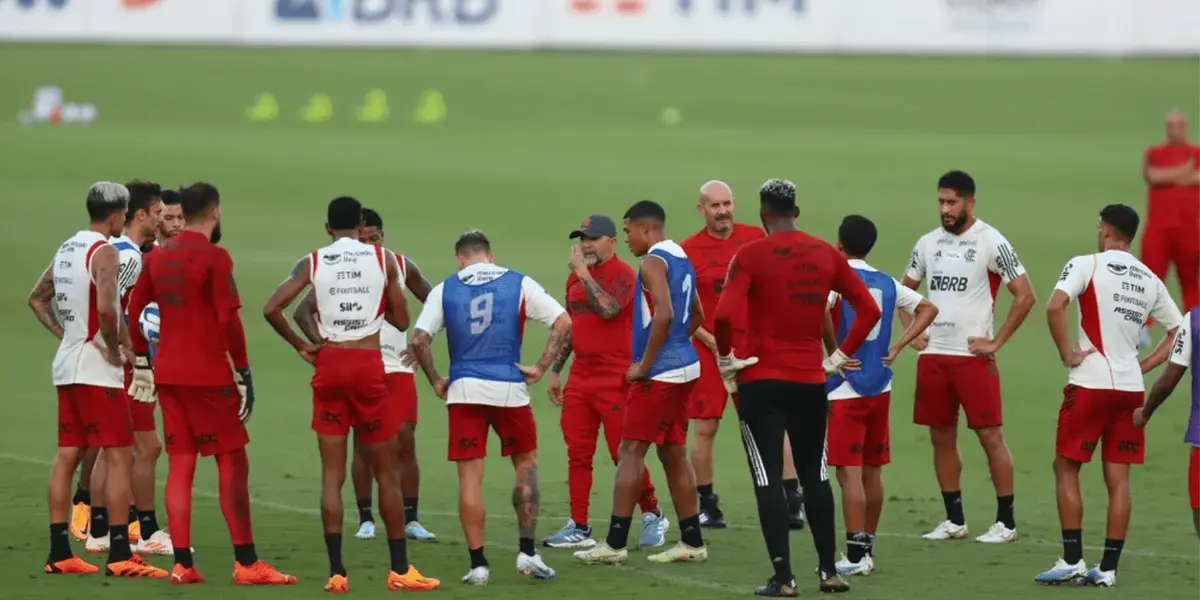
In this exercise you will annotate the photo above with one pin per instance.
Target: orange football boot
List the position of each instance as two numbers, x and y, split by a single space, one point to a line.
338 584
260 573
182 575
411 581
135 567
135 531
72 566
81 518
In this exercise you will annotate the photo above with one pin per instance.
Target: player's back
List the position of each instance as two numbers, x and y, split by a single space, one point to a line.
78 360
677 352
484 308
350 280
1116 294
873 378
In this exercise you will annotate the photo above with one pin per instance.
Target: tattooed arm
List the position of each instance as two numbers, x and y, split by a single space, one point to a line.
429 323
600 301
564 353
41 302
541 307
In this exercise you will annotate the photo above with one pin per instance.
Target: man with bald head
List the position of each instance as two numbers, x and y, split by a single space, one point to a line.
710 250
1172 174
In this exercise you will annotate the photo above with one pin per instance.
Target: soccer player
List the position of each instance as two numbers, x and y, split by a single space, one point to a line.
401 385
782 283
1172 174
203 411
1185 353
77 299
171 222
859 440
966 262
710 251
357 286
664 372
483 309
600 303
1116 294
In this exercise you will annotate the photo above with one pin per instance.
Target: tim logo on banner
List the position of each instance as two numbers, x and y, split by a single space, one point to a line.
463 12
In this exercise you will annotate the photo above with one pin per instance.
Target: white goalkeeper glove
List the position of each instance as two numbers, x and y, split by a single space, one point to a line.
838 362
729 365
245 386
142 387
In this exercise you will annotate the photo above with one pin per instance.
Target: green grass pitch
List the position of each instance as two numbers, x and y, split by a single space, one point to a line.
530 144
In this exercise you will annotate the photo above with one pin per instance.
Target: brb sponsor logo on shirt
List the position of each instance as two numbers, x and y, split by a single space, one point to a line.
462 12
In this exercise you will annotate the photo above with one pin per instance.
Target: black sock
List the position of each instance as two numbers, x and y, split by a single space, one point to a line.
149 523
183 557
791 486
618 532
364 511
245 554
954 509
99 525
871 545
689 531
60 544
477 557
1112 554
1004 511
333 547
398 549
856 546
1072 545
705 490
82 496
118 545
526 546
410 510
133 514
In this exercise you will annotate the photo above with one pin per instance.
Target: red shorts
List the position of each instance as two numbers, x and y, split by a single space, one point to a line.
91 416
858 431
707 399
1194 478
468 425
142 414
1088 416
403 389
946 382
350 390
201 420
657 412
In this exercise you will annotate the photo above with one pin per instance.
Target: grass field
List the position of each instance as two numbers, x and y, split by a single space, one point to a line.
531 144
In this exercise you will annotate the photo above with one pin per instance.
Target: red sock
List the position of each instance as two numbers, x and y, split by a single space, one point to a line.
181 473
647 501
233 471
579 487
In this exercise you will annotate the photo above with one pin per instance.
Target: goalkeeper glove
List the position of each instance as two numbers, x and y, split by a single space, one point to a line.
729 365
834 363
245 385
142 387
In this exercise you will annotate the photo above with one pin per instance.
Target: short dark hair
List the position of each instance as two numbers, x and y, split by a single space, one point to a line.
472 241
1121 217
141 195
648 210
198 199
171 197
372 218
858 235
778 196
345 212
959 181
105 198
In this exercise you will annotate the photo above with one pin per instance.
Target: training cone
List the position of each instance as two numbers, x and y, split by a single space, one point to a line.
431 108
318 110
265 108
374 108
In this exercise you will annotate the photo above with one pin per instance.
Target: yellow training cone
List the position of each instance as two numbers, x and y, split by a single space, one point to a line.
374 108
265 108
431 108
318 110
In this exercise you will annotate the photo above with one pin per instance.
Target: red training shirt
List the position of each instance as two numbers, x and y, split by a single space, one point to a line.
710 257
191 279
1172 206
782 282
602 346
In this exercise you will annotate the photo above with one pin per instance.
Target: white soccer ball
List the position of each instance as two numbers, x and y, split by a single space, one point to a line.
149 322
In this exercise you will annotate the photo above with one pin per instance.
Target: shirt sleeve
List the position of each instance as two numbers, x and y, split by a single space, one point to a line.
621 287
1164 311
539 305
916 262
224 287
1075 276
907 300
733 298
432 320
1004 261
1181 350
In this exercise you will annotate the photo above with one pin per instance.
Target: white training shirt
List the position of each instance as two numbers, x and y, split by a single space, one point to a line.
349 279
79 359
1116 293
538 306
392 341
1181 350
964 272
906 300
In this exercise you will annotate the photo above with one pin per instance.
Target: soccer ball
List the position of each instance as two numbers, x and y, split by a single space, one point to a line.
149 323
